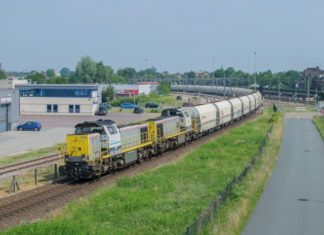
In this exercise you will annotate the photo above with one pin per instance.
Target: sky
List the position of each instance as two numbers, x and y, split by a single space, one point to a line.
171 35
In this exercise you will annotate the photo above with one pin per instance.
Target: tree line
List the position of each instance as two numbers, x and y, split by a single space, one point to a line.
90 71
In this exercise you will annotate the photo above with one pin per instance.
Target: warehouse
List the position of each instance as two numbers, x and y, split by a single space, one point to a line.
58 99
9 109
143 88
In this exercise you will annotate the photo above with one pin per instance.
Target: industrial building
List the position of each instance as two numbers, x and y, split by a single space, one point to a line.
143 88
59 99
9 109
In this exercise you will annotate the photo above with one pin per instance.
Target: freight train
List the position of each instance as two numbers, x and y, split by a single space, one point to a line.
100 147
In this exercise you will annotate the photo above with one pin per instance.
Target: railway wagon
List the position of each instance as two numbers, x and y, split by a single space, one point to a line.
246 105
258 98
205 117
252 102
237 108
225 112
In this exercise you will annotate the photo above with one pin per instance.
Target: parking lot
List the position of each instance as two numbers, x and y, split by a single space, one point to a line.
54 130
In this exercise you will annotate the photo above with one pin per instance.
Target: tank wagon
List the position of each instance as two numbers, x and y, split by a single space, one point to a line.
100 147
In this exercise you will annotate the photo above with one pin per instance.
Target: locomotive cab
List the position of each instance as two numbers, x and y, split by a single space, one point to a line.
109 134
183 113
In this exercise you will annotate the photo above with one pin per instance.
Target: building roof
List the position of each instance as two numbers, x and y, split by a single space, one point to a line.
55 86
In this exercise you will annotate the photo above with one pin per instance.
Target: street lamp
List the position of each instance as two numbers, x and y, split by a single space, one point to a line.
255 70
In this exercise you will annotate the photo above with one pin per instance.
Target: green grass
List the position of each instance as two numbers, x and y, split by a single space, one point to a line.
319 122
28 155
161 201
299 109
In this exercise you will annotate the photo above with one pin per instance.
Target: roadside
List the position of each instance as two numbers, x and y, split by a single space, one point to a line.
290 201
319 123
232 217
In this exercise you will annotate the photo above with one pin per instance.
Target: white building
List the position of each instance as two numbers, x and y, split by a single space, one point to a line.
144 88
58 99
11 82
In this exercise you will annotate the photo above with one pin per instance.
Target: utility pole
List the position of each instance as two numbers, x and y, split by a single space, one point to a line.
213 71
248 77
255 71
223 79
308 88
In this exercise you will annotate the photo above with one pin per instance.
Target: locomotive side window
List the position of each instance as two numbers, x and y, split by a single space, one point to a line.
112 130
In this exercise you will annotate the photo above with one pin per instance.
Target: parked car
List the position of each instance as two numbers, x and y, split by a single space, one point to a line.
108 106
179 97
30 126
138 110
127 106
102 110
152 106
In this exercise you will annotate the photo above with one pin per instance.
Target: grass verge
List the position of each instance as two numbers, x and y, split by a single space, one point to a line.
233 216
319 123
164 200
6 160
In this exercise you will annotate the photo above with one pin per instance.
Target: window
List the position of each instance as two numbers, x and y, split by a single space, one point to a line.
49 108
57 92
55 108
112 130
71 108
77 108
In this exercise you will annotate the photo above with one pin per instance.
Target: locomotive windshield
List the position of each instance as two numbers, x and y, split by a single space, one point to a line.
88 130
112 130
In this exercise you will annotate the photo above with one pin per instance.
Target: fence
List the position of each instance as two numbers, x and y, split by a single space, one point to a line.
30 177
212 209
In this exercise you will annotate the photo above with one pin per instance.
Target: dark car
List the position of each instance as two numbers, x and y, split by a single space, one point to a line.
152 106
108 106
127 106
102 110
179 97
30 126
138 110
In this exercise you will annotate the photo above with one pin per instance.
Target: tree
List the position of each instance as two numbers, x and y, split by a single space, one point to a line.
50 73
191 74
164 88
2 75
58 80
103 73
36 77
86 70
65 72
127 73
108 93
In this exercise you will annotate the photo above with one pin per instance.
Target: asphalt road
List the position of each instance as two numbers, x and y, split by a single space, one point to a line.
293 200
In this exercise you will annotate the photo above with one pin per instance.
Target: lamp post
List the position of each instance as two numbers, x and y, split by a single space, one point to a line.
213 71
255 70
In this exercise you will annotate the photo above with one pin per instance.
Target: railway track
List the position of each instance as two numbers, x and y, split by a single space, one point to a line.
37 203
12 169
